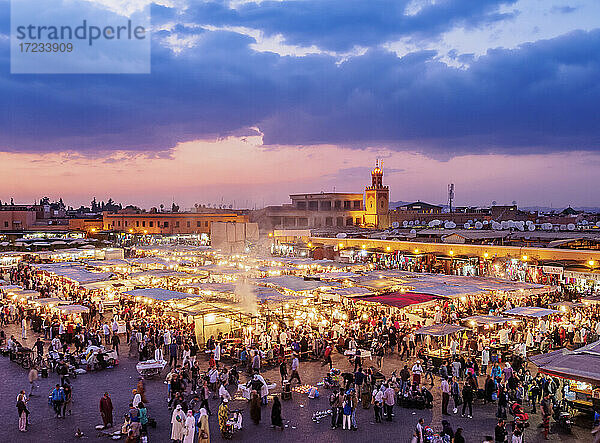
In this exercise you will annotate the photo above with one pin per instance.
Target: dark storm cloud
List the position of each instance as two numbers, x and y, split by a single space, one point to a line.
539 97
340 25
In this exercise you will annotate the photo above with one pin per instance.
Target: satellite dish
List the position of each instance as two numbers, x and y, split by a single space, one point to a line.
504 224
384 237
478 225
528 222
416 222
431 224
470 221
395 225
486 222
571 227
405 223
447 225
496 226
598 224
341 235
452 225
531 227
413 231
563 227
584 222
410 223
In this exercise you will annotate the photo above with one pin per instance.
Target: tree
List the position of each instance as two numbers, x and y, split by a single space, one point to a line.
162 207
43 201
174 208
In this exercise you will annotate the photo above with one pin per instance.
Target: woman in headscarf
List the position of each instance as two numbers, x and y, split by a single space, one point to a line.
276 420
177 424
203 428
190 428
23 412
255 407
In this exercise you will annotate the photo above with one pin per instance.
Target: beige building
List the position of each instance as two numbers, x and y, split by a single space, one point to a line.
167 222
330 209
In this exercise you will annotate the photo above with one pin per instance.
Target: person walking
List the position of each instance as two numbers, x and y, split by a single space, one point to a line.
255 411
377 404
189 428
335 403
57 397
204 429
32 377
445 388
295 366
546 408
389 396
468 395
500 432
23 413
106 410
276 420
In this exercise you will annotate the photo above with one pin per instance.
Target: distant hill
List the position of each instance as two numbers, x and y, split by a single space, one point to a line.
394 205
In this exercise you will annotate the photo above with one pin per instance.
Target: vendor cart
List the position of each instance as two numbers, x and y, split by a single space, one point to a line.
151 368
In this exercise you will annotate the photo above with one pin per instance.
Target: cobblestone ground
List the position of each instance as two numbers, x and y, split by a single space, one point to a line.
297 413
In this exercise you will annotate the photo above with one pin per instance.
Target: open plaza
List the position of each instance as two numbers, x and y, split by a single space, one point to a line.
167 340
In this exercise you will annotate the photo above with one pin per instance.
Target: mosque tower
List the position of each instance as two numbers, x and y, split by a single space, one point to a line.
377 199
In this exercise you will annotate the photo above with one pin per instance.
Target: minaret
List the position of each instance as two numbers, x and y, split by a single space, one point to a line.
377 200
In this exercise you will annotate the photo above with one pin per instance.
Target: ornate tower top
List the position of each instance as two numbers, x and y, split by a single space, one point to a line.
377 176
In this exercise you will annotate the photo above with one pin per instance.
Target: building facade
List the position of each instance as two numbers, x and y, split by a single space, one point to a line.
166 223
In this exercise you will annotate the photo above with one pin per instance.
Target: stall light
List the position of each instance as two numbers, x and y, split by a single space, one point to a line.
463 299
485 255
286 306
525 258
309 245
270 234
363 246
563 308
341 245
388 248
296 323
591 262
93 230
416 251
451 252
210 318
345 316
365 316
472 323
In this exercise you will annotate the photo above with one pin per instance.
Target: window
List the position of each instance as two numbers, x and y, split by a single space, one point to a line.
301 205
125 222
189 224
144 223
338 204
137 224
177 224
166 224
349 221
206 224
151 224
198 224
357 204
347 204
119 223
6 224
326 206
313 205
302 221
339 221
328 221
357 221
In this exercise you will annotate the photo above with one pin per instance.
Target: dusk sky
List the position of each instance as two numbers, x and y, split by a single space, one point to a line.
248 102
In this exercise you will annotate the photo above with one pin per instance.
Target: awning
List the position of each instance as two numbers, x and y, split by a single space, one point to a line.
484 320
440 330
159 294
400 299
582 364
530 311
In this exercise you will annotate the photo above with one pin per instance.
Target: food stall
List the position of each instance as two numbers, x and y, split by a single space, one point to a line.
580 369
445 330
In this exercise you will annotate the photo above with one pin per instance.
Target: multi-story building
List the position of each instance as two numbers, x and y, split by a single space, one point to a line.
166 222
330 209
